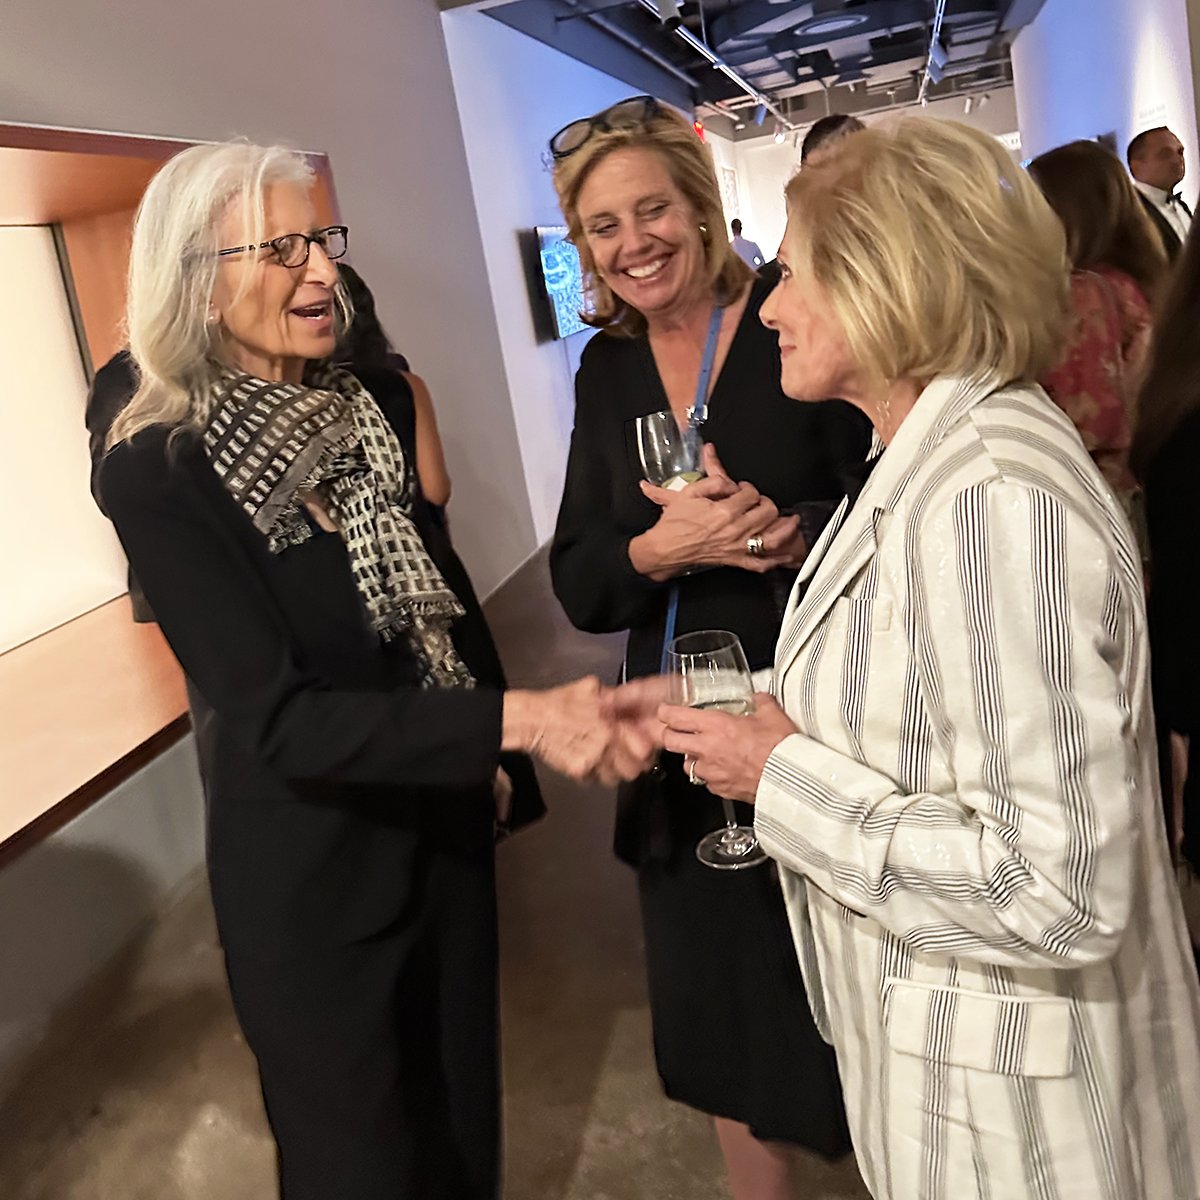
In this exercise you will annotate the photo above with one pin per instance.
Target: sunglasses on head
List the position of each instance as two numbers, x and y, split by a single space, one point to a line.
625 114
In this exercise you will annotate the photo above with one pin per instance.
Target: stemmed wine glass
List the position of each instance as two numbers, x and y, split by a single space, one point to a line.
708 669
669 454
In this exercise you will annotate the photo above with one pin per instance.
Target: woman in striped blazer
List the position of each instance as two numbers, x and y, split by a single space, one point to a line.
959 779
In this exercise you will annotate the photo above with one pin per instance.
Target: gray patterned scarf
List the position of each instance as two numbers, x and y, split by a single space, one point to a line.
273 443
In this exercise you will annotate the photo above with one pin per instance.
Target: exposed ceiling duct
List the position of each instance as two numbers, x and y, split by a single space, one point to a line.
798 59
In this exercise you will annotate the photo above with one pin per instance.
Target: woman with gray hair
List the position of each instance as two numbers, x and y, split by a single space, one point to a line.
958 772
357 745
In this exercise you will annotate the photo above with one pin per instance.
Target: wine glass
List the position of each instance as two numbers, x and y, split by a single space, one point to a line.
708 669
669 454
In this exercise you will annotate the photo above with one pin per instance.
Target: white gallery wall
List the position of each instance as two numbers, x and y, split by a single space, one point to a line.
764 167
368 81
60 557
514 92
1090 67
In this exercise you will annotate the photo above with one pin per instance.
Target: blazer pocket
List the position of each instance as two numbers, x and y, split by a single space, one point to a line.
1029 1036
861 614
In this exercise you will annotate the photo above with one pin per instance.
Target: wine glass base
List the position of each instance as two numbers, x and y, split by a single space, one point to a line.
730 849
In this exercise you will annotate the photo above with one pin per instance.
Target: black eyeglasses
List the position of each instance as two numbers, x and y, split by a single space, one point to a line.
291 250
625 114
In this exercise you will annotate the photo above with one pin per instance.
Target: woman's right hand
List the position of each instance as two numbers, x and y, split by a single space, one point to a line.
709 523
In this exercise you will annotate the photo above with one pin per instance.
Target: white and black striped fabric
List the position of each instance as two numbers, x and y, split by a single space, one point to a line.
969 824
272 443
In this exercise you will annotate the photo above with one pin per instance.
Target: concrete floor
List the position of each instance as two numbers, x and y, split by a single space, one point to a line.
146 1091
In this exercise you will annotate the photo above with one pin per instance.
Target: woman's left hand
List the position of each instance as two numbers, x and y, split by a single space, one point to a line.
727 753
783 545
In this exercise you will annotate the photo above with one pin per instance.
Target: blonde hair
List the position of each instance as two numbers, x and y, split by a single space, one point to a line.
173 266
689 162
936 252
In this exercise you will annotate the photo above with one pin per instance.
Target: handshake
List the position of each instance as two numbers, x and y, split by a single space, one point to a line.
586 730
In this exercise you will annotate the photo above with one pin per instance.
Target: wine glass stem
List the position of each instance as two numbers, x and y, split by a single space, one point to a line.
730 815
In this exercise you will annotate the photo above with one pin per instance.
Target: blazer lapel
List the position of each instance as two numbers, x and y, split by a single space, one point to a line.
1167 234
843 551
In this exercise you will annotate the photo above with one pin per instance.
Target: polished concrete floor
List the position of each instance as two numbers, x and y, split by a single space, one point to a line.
146 1091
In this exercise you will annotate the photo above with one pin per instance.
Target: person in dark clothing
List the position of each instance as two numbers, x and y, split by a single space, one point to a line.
112 389
733 1035
367 348
1164 456
357 741
1157 163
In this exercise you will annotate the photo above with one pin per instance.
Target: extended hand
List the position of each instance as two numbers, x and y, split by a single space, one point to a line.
578 730
728 752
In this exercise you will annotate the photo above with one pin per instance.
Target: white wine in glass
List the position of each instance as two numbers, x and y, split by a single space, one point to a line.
669 453
708 669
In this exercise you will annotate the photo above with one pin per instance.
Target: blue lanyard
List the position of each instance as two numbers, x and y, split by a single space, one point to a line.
696 417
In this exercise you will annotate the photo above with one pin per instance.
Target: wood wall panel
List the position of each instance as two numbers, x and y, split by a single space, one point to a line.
77 702
98 255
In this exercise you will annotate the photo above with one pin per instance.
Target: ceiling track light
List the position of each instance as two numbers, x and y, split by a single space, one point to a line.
684 34
668 13
935 49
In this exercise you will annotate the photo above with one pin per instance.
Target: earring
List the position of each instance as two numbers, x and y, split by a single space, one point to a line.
703 230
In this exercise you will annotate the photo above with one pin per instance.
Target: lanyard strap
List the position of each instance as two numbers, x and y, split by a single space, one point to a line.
696 417
699 410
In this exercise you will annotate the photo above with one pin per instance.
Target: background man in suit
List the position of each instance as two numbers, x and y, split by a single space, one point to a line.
1156 162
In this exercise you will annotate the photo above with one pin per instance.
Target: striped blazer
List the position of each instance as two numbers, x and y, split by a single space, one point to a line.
968 822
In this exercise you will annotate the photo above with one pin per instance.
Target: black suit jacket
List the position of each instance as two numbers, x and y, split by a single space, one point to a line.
1166 231
328 773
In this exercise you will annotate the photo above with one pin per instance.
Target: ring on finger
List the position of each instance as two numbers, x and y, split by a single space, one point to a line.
754 547
692 776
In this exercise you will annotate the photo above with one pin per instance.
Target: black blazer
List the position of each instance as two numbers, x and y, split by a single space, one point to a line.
1166 231
1172 489
327 771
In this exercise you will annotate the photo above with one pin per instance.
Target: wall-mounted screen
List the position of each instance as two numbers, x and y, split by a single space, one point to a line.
563 279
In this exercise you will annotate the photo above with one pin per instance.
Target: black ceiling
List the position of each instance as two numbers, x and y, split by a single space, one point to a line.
807 56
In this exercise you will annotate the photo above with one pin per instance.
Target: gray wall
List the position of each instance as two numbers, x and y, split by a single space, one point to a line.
366 81
70 903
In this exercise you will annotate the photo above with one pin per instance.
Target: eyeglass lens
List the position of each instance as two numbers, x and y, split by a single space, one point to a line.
294 247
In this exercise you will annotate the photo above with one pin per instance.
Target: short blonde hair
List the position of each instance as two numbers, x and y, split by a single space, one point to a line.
689 162
173 266
936 252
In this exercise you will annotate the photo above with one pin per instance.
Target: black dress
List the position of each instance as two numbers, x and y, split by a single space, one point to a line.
1172 509
350 832
733 1034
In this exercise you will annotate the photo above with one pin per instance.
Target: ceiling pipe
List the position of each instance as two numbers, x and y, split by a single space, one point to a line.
702 48
614 30
934 41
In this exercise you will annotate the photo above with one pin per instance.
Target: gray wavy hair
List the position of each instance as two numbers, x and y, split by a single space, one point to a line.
173 266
